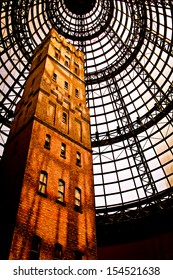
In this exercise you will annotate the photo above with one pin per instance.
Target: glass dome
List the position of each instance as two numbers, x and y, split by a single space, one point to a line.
128 47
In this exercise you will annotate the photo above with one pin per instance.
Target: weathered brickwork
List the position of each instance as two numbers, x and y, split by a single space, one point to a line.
53 104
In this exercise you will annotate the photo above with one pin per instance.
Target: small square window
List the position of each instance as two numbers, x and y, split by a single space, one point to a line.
65 85
54 78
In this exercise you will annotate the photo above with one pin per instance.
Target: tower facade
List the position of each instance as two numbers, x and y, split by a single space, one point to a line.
47 163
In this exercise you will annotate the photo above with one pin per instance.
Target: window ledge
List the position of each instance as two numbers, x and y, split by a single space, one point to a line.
41 194
48 148
61 202
78 209
63 156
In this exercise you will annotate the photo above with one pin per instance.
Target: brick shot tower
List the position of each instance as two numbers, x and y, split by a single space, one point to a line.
48 205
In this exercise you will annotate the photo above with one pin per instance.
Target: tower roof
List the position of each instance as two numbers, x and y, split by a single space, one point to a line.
53 34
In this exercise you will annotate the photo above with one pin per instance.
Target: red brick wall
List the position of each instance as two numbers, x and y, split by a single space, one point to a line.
44 216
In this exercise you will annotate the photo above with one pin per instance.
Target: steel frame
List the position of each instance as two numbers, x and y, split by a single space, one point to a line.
128 48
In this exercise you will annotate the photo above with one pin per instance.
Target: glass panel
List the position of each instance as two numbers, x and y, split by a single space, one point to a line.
60 196
42 188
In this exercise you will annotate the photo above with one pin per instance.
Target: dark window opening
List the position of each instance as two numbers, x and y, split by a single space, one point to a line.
78 255
64 117
67 61
35 248
58 251
77 93
47 141
67 50
65 85
57 55
54 77
76 69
